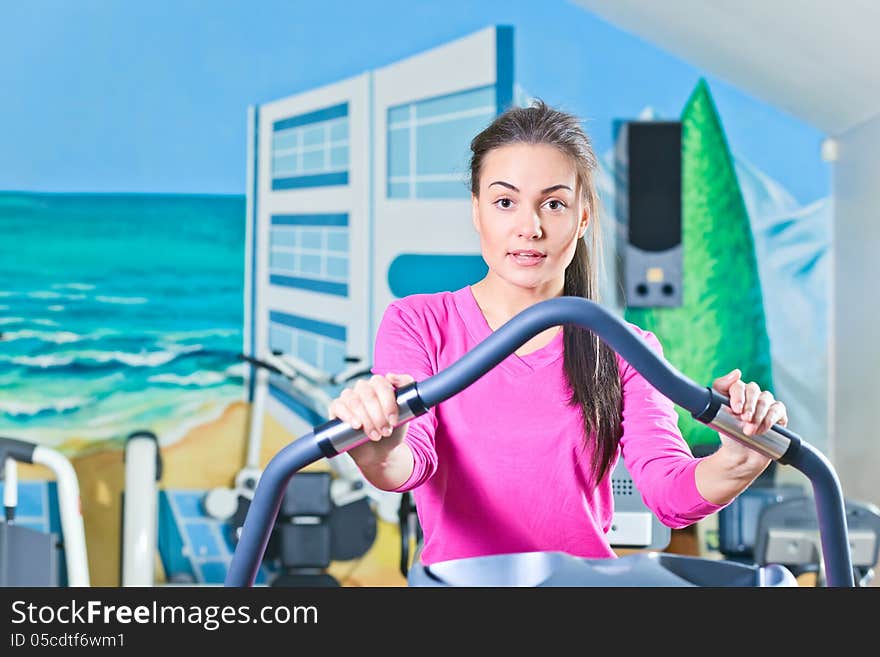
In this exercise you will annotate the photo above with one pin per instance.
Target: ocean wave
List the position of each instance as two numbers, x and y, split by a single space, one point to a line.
199 333
58 337
3 307
14 408
55 309
44 294
25 320
238 370
121 300
73 286
91 357
199 379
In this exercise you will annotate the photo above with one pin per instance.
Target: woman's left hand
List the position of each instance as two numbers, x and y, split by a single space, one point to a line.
756 408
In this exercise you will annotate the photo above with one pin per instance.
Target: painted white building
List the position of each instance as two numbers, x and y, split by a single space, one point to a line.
357 195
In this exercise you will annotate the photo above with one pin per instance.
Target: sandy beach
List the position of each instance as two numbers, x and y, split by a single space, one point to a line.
208 456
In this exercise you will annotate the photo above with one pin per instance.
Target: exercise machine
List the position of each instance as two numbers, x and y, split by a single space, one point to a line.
704 403
139 535
324 517
29 557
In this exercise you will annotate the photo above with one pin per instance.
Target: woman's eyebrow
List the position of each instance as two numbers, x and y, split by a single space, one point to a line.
543 191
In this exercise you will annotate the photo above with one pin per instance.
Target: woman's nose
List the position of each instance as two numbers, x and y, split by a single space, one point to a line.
530 225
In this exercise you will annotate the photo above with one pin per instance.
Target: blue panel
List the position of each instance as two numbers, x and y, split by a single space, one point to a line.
310 238
398 114
444 147
398 190
325 287
296 406
313 135
283 260
174 562
337 267
398 152
334 356
279 339
253 220
310 220
30 499
337 241
457 102
310 265
283 237
286 139
451 189
54 509
284 165
339 157
307 348
189 504
326 114
503 67
202 541
339 131
213 572
318 180
332 331
313 161
424 273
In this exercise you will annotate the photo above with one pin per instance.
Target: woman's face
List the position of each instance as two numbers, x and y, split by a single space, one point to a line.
529 214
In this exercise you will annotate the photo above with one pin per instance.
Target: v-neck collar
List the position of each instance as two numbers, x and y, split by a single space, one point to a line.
478 328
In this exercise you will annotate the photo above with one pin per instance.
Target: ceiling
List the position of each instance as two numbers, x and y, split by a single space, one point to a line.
810 58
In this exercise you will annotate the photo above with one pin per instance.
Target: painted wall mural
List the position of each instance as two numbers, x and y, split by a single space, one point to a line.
131 282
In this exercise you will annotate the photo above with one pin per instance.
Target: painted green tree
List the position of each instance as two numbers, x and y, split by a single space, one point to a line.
721 324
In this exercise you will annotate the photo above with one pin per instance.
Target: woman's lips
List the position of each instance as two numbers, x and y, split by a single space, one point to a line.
526 260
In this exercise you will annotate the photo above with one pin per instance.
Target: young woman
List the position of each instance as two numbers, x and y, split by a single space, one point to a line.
520 461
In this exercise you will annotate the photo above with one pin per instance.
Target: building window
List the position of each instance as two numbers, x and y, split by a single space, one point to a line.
428 143
320 344
310 252
311 150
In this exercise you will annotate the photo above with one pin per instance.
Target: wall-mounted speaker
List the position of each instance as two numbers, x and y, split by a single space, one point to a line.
648 203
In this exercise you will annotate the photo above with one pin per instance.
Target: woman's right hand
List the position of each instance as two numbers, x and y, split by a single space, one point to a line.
371 405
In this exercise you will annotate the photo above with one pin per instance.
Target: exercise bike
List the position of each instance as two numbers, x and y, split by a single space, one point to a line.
557 569
29 557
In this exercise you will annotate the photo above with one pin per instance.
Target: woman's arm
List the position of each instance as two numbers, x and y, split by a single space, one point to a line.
386 464
726 473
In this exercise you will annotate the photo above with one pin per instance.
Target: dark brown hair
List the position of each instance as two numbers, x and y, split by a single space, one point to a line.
590 365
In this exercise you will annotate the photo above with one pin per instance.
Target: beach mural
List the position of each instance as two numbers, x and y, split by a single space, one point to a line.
274 212
120 313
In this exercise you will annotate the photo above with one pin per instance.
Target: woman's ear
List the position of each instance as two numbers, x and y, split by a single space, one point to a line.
475 212
584 222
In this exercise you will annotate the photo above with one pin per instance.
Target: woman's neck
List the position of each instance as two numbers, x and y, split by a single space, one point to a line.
500 301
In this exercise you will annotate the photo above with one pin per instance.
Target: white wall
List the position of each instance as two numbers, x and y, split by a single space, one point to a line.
855 361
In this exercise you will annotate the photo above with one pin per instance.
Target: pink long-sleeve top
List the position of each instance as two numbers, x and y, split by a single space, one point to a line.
502 466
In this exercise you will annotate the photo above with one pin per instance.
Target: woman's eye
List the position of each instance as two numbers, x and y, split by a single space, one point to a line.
504 203
555 205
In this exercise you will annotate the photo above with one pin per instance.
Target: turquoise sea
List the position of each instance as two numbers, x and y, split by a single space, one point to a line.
118 312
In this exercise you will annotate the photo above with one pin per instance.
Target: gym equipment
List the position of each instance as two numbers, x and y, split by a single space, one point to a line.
29 557
312 531
705 404
349 485
139 536
787 533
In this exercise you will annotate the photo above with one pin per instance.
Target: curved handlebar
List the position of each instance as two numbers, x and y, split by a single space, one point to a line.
705 404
